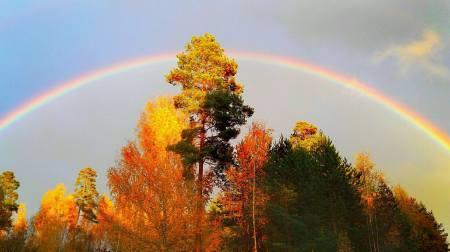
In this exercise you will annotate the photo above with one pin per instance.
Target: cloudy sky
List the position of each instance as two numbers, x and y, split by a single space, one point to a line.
401 47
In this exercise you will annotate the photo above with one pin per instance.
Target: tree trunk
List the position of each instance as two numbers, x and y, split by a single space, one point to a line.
199 210
253 210
78 216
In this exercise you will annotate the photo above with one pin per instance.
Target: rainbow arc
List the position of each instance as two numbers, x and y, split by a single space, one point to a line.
420 122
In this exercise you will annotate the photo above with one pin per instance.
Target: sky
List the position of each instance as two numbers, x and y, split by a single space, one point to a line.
401 48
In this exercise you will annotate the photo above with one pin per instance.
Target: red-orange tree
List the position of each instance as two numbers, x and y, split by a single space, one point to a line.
152 200
244 201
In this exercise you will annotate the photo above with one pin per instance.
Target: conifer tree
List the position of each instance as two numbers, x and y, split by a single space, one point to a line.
212 99
86 195
8 199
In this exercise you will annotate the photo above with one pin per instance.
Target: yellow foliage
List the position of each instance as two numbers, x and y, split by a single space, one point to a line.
160 125
56 216
371 180
20 223
202 67
305 135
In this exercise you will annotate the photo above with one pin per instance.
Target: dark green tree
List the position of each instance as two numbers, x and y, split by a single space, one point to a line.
314 199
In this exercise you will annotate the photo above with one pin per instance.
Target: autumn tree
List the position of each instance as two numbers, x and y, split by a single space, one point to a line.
55 220
425 233
103 232
20 223
8 199
15 239
244 199
371 180
152 199
212 99
385 226
86 195
305 135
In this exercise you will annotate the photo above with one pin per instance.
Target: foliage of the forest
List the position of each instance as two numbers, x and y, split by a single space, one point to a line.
184 185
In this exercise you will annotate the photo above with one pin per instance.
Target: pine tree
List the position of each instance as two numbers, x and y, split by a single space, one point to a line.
8 199
86 195
212 99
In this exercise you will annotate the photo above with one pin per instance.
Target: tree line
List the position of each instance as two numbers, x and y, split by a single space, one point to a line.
182 185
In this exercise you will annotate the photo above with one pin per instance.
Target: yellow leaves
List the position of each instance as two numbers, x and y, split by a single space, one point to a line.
203 67
160 125
56 216
401 196
56 208
363 163
20 223
305 135
371 180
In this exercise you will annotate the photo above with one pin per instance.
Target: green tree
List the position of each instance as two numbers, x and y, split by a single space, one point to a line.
314 204
212 99
86 195
8 199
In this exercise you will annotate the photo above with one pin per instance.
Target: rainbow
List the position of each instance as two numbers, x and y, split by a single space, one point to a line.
421 123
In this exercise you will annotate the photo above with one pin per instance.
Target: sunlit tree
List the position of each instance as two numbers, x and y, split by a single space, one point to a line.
371 181
426 234
212 99
153 201
8 199
86 195
305 135
54 221
20 223
245 198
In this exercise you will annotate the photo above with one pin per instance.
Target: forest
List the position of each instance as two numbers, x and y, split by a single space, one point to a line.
190 181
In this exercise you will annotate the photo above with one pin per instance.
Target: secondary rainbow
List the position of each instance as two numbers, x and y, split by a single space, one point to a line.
421 123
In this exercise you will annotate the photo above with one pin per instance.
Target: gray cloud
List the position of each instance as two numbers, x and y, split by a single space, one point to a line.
367 25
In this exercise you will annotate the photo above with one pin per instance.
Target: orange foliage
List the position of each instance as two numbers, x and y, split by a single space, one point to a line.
151 196
245 197
103 231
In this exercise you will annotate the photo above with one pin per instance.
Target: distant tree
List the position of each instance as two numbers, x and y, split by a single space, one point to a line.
391 226
86 195
385 224
213 101
8 199
371 180
425 234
